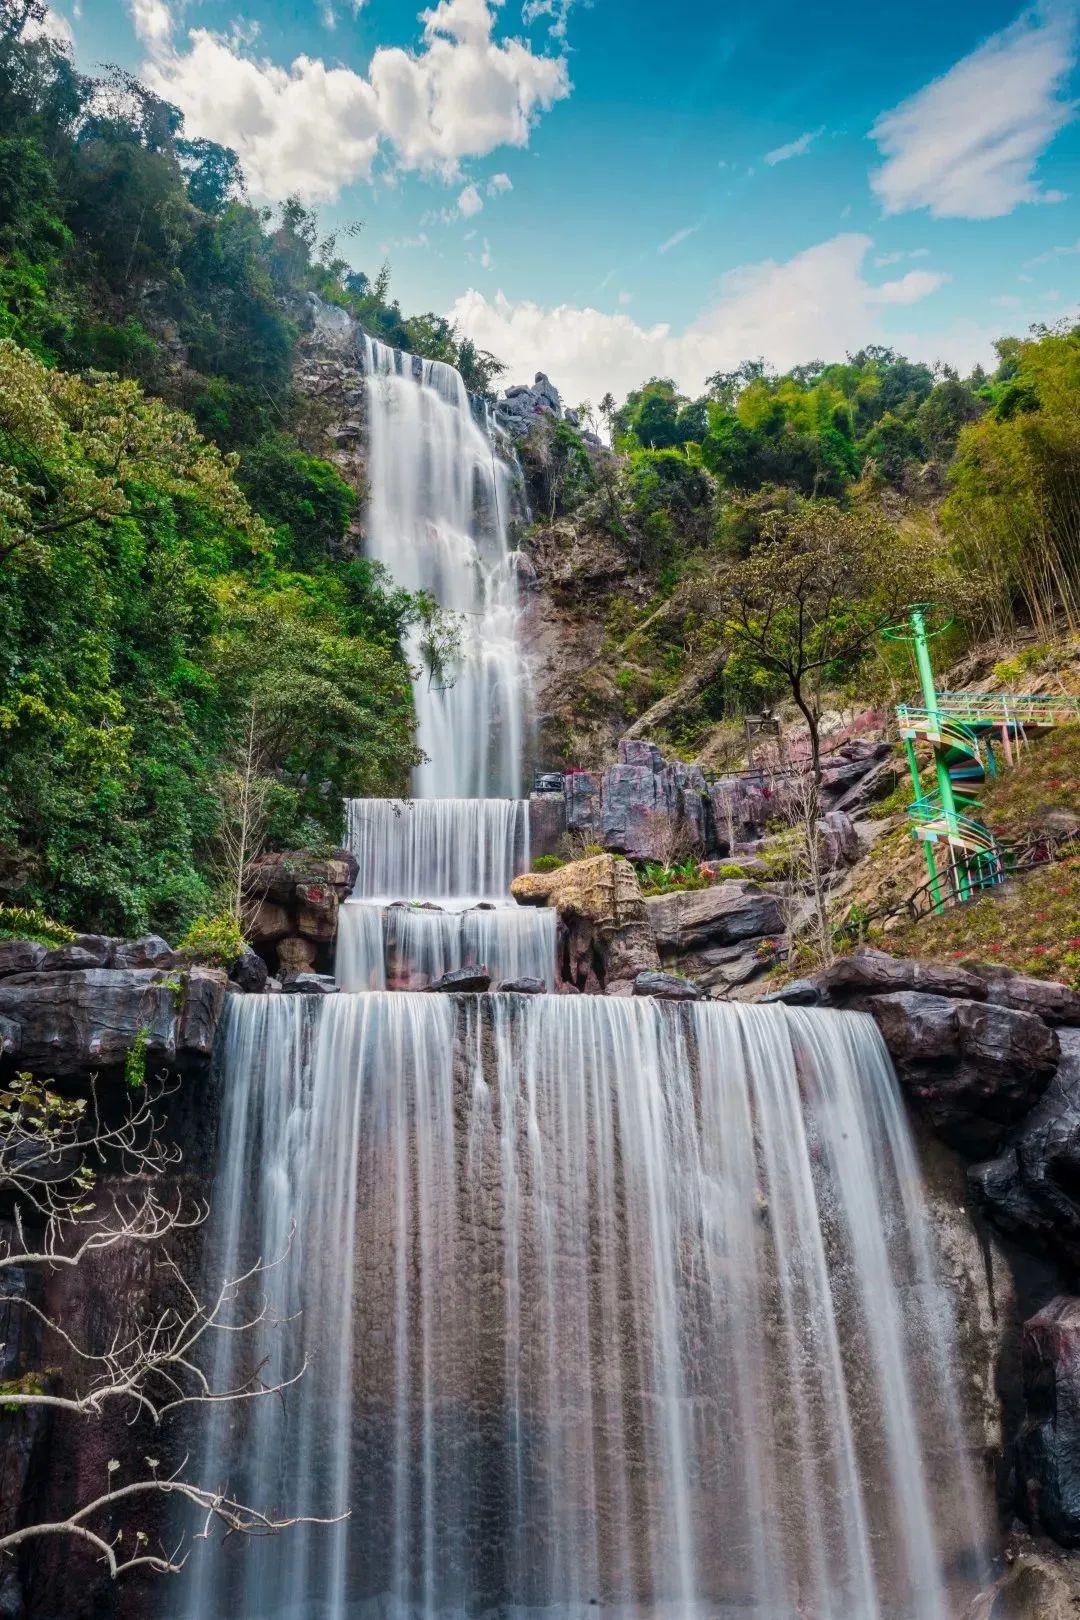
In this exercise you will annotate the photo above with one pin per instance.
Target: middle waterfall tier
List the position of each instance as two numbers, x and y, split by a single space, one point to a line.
408 947
438 849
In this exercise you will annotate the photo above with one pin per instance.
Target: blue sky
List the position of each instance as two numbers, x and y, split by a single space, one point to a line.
610 190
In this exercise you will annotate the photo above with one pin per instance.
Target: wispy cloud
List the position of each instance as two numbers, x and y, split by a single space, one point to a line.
679 236
966 145
909 289
793 149
1051 254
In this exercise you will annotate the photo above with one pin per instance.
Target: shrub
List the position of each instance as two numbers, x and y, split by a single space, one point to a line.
216 940
547 863
27 922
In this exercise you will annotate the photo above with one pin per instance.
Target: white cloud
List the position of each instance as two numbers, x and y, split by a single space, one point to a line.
469 202
311 129
816 304
54 25
910 288
965 146
499 183
152 21
679 236
557 10
485 257
624 299
793 149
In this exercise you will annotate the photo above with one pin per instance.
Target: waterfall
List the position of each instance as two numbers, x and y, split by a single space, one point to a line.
406 947
607 1303
437 849
437 518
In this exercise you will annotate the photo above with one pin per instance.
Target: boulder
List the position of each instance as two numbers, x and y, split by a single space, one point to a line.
251 972
1054 1003
1032 1189
722 914
279 876
20 956
524 986
295 955
309 984
974 1070
607 940
667 987
85 951
75 1022
150 951
268 923
462 979
1048 1449
869 972
799 993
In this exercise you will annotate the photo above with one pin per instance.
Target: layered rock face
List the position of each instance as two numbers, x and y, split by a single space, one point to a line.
293 901
719 936
80 1009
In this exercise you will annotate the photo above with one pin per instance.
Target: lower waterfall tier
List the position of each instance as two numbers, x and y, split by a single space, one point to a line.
407 947
609 1307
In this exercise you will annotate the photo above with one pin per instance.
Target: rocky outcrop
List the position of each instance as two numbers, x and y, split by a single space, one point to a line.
1048 1451
649 809
717 936
1032 1189
666 987
77 1021
292 913
605 939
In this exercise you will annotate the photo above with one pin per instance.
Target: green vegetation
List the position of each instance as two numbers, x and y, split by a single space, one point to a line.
26 922
180 600
135 1062
547 863
218 941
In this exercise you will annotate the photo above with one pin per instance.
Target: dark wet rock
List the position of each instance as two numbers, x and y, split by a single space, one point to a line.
20 956
309 984
465 978
1032 1189
10 1038
799 993
1054 1003
1048 1450
667 987
80 1021
1031 1588
151 951
85 951
868 972
524 986
250 972
973 1069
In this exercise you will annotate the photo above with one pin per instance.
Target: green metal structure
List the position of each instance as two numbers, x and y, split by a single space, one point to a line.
963 729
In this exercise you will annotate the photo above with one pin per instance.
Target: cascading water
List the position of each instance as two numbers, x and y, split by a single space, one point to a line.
438 519
607 1304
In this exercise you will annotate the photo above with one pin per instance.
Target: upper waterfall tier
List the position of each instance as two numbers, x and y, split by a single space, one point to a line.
608 1307
438 518
437 849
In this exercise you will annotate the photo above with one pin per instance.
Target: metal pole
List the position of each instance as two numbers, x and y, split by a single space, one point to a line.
930 701
931 863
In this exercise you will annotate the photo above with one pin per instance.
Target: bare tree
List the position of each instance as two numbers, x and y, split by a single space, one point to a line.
807 871
52 1150
670 837
243 789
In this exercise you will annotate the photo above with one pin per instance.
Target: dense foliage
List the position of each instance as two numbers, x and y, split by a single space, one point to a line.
176 575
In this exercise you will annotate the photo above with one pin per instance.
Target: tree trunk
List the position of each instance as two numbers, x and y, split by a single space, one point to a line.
694 683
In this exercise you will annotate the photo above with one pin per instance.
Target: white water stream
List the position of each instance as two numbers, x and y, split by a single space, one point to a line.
608 1304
